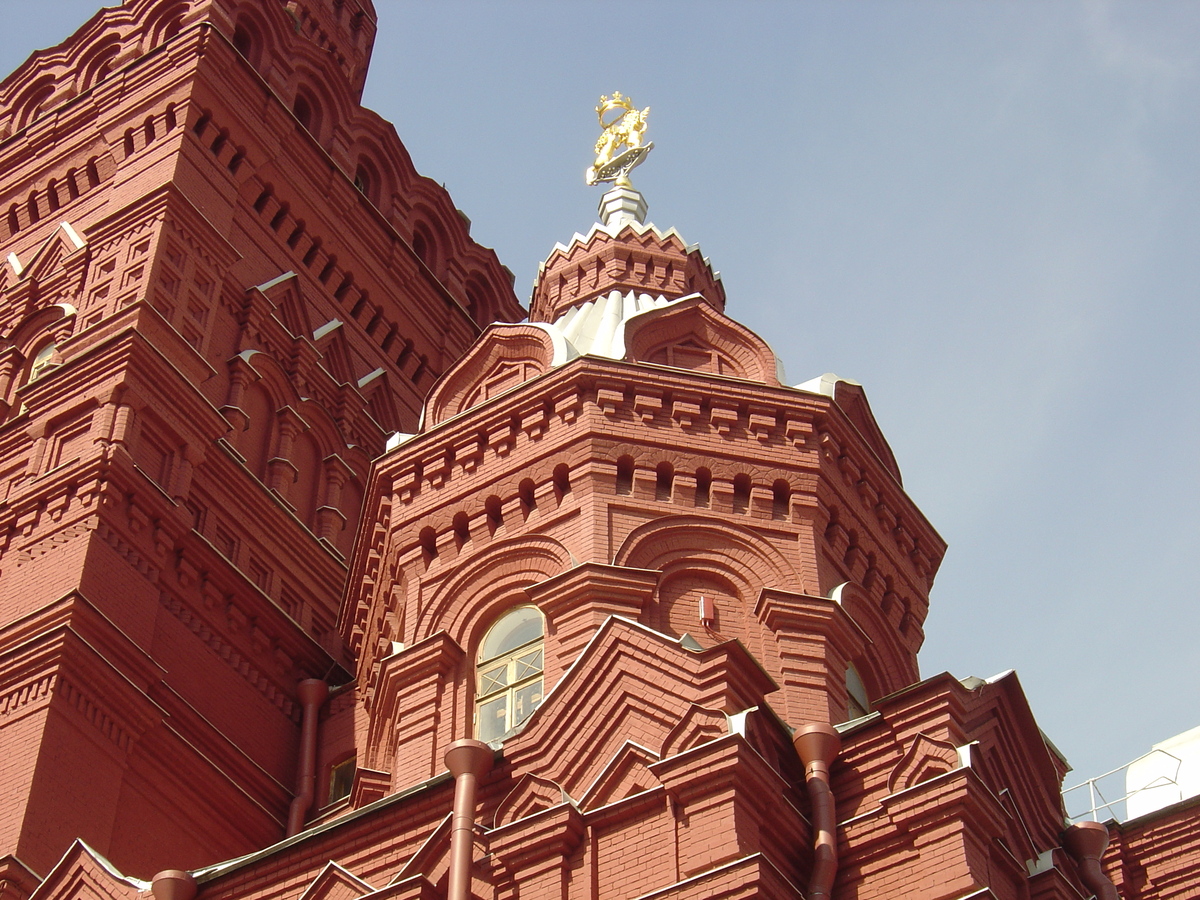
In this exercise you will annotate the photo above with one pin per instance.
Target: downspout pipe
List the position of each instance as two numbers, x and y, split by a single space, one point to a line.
173 884
468 760
818 746
1086 842
311 693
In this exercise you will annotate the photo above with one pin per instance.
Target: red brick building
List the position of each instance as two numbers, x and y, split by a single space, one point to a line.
244 634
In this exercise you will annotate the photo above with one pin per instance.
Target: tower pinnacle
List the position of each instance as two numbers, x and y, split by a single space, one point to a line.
622 125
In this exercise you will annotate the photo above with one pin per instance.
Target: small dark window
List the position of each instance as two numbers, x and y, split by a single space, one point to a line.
302 111
365 182
263 199
624 483
703 487
528 497
429 544
781 501
562 480
341 780
462 529
243 43
280 215
420 247
664 481
741 493
495 513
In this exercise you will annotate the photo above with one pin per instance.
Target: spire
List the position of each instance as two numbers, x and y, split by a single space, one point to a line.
621 206
621 252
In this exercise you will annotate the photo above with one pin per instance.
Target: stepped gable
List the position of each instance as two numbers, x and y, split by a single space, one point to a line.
625 254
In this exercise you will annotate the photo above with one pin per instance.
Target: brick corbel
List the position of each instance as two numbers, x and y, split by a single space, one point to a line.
731 799
578 601
537 848
369 785
731 679
407 708
817 640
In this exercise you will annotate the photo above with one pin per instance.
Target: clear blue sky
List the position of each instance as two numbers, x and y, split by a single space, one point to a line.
982 212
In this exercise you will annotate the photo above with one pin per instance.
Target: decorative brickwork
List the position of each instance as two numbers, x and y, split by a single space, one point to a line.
226 293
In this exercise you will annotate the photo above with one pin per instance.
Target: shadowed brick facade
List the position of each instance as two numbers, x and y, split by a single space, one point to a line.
225 287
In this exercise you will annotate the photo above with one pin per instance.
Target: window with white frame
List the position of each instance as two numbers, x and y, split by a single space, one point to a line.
509 672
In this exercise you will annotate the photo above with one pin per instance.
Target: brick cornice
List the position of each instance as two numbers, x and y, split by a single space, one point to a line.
549 835
609 590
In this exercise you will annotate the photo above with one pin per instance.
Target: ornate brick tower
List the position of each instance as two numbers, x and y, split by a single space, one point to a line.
223 286
626 616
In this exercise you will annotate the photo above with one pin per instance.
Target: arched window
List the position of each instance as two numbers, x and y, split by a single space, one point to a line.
860 704
703 487
509 683
42 361
741 494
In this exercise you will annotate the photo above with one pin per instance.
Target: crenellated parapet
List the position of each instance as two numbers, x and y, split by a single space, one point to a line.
628 257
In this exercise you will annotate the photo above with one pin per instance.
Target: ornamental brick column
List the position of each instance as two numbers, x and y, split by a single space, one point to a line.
410 709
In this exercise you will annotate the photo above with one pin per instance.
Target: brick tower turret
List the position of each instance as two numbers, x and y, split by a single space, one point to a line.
625 614
223 285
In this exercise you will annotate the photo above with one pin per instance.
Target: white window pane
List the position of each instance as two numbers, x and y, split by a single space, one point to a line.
517 627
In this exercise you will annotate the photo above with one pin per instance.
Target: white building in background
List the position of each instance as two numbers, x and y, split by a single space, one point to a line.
1169 773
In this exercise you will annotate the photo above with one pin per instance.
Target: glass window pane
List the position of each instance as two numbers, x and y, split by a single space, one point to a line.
528 664
520 626
493 680
525 701
493 718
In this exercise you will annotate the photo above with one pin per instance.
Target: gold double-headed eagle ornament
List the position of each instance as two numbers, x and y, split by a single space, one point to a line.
622 125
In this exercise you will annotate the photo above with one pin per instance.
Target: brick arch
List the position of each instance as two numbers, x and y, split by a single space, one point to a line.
691 334
481 300
889 666
96 62
163 21
430 239
668 542
29 103
675 609
57 320
504 357
468 602
272 376
268 29
323 427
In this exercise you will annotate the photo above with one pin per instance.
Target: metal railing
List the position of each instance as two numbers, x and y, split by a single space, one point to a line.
1095 801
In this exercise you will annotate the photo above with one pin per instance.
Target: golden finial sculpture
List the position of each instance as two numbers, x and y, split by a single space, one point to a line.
622 125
